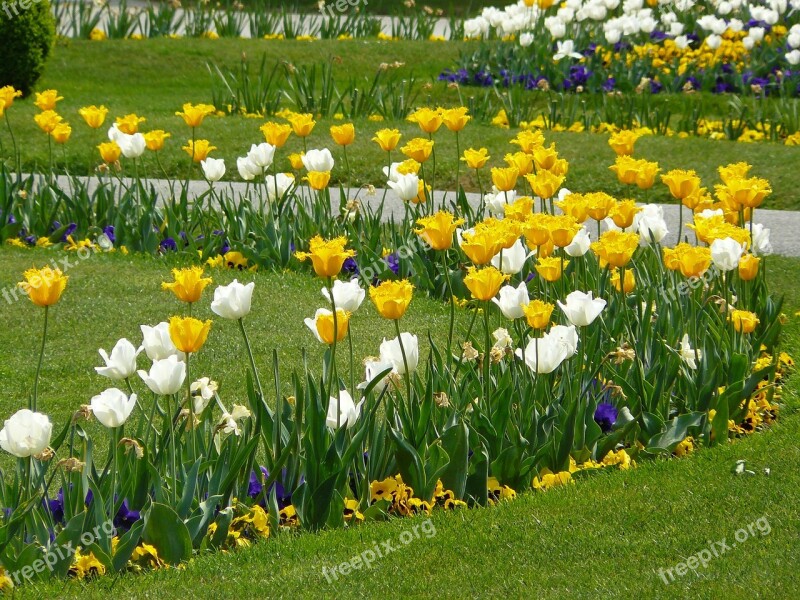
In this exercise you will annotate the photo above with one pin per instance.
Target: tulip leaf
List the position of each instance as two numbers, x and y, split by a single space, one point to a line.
677 430
127 544
165 530
455 441
189 487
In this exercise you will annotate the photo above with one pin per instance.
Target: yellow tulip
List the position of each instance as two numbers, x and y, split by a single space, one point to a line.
193 114
7 95
626 168
61 133
481 245
344 135
545 158
428 119
326 325
646 174
563 229
682 184
522 161
748 267
129 123
505 178
155 139
629 284
455 119
188 284
622 142
622 213
47 100
296 160
599 205
198 149
318 180
276 134
616 248
188 334
44 286
438 229
575 206
327 256
544 184
528 141
392 298
743 321
550 269
387 139
94 116
109 152
47 120
538 313
484 283
419 149
302 124
475 159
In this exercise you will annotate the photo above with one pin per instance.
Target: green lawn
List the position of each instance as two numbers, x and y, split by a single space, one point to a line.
607 536
124 75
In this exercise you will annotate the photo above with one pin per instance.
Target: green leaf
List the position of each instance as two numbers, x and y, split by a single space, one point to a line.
165 530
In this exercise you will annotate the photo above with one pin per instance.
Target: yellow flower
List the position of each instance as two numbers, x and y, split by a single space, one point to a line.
505 178
748 267
47 100
296 160
97 35
188 285
616 248
528 141
520 209
327 257
429 120
522 161
109 152
537 230
344 135
392 298
538 313
85 565
129 123
599 205
276 134
7 95
438 230
193 114
44 286
325 324
545 158
94 116
47 120
629 284
626 169
574 205
188 334
550 480
484 283
733 171
682 184
423 193
408 166
544 184
743 193
743 321
302 124
563 229
480 245
198 149
691 261
419 149
455 119
622 142
476 159
155 139
61 133
623 212
550 269
318 180
387 139
646 174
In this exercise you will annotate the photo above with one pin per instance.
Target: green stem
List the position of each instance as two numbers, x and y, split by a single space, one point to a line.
39 366
251 357
405 359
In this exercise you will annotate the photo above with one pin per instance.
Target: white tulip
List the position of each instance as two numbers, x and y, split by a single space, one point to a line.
342 411
650 224
543 355
112 407
278 185
165 377
348 295
566 49
580 244
689 354
261 155
122 362
318 160
567 336
26 433
390 352
374 367
232 301
496 202
761 245
247 170
406 187
513 259
114 134
511 300
525 39
213 168
158 343
793 57
725 254
391 173
581 309
131 146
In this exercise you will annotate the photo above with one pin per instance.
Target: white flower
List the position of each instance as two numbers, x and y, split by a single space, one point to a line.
580 244
247 170
114 133
725 254
496 202
650 224
502 339
513 259
793 57
132 146
261 155
374 367
525 39
390 352
165 377
213 168
406 187
203 391
567 336
581 309
761 245
342 411
232 301
391 173
688 354
112 407
229 422
713 41
511 300
565 49
348 295
544 354
278 185
158 343
26 433
318 160
122 362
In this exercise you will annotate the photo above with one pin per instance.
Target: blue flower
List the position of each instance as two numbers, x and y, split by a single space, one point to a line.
109 231
605 416
168 244
393 262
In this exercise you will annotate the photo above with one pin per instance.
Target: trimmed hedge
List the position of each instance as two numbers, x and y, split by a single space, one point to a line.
27 31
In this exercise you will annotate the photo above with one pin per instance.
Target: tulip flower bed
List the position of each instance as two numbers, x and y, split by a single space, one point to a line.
575 355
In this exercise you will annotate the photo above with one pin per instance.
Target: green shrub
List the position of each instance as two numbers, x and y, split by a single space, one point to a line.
27 31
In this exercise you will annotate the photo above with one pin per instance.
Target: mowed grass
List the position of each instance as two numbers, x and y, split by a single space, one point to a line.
607 536
132 76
